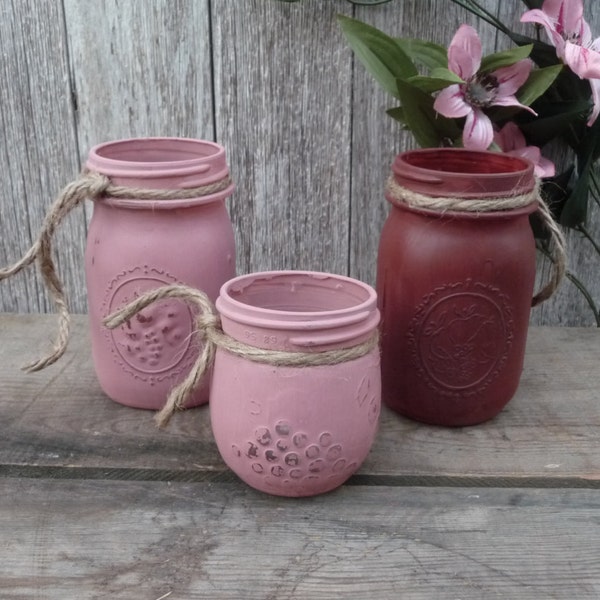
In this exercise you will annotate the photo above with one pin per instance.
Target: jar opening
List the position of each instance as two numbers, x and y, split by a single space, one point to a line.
158 151
465 161
298 292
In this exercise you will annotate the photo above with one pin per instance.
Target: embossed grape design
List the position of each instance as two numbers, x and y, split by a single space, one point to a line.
155 339
289 455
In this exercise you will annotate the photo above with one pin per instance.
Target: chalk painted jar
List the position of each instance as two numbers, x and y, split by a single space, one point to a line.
296 431
135 245
455 288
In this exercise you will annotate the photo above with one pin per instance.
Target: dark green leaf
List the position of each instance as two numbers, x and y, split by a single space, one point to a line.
440 78
575 209
428 54
555 120
537 84
505 58
396 113
378 52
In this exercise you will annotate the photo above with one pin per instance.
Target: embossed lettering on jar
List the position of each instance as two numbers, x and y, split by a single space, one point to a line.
137 245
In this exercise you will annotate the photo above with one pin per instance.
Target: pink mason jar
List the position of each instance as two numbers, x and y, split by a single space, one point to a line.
303 430
136 245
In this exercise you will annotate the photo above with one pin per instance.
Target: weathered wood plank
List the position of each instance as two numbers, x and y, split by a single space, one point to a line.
38 148
140 68
120 540
283 89
60 418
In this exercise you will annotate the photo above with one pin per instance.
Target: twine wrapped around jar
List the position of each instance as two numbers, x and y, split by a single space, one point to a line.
89 185
208 328
413 199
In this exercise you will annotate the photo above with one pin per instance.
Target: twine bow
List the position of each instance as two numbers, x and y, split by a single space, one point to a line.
207 325
88 185
402 195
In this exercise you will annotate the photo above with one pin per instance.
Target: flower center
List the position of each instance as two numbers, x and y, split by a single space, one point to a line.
481 90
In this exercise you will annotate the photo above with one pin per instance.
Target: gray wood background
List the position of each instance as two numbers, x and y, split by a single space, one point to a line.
304 125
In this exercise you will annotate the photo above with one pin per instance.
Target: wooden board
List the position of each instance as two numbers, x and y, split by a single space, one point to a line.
123 540
282 77
38 148
304 125
60 419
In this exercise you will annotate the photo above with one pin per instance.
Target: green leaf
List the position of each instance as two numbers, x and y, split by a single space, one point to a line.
397 113
379 53
429 128
574 211
440 78
428 54
556 120
537 83
505 58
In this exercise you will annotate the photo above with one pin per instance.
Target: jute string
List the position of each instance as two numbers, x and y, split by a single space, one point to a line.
88 185
207 326
402 195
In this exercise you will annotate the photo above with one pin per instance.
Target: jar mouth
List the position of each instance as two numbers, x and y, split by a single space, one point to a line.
285 298
157 157
458 172
462 161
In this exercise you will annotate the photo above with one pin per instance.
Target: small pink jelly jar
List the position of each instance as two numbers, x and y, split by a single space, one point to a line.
301 430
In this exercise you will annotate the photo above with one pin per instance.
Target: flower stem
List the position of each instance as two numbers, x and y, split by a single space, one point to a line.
476 9
582 229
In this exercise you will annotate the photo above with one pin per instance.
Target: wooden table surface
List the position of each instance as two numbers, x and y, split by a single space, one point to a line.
95 502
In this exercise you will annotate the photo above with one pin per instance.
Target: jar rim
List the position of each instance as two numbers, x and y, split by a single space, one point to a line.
459 172
154 156
353 301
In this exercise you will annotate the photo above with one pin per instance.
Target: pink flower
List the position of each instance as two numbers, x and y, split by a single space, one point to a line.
571 36
478 90
511 140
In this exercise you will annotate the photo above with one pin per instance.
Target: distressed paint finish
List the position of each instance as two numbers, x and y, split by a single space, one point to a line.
304 125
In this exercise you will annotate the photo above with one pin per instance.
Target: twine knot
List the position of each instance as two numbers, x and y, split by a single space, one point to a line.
207 325
442 204
89 185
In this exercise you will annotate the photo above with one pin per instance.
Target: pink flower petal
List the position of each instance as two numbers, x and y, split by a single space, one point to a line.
510 137
465 52
582 61
568 14
451 102
541 18
545 168
511 78
512 101
478 133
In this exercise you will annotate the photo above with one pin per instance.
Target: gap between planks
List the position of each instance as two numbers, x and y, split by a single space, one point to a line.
218 476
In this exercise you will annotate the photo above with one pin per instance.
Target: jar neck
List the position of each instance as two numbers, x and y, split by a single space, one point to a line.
161 163
298 310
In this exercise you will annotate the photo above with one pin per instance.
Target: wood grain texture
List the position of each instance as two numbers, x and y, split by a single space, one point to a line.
60 419
120 540
304 125
38 148
283 89
140 68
